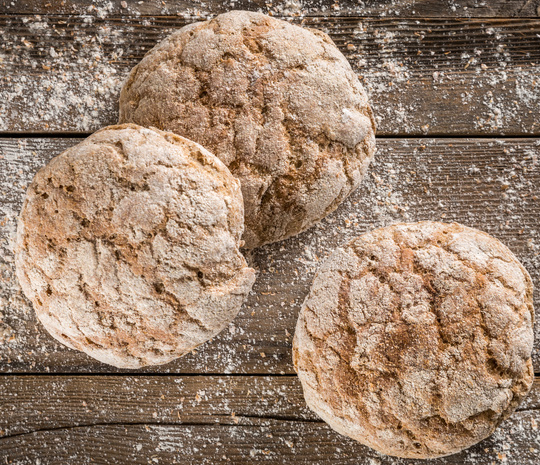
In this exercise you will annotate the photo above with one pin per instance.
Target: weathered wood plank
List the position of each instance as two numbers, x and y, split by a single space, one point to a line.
493 185
35 403
425 8
88 400
516 442
197 420
30 403
425 76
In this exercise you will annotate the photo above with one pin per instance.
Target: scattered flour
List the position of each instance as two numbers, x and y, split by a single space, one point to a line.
72 84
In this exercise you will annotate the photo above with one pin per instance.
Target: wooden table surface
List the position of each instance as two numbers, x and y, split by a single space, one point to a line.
455 85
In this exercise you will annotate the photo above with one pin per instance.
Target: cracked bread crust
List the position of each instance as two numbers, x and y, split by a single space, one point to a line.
416 339
128 246
277 103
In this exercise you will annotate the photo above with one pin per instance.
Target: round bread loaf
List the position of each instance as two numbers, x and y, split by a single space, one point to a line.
277 103
416 339
128 246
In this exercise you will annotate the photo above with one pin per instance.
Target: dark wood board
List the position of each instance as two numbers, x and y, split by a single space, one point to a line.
203 419
389 8
490 184
35 403
283 442
437 77
447 80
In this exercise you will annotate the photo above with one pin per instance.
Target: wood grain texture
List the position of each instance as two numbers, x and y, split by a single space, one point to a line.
493 185
451 68
210 419
284 442
88 400
73 401
425 76
425 8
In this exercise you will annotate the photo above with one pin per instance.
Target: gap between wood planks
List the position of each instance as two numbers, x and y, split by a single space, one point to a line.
84 135
159 374
284 17
396 8
156 374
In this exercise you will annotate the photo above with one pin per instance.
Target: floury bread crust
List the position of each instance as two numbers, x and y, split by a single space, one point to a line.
277 103
416 339
128 246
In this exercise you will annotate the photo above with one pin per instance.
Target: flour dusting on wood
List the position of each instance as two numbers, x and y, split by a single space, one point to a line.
424 76
63 73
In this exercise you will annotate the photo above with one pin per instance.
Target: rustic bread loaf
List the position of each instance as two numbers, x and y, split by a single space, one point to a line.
416 339
128 246
277 103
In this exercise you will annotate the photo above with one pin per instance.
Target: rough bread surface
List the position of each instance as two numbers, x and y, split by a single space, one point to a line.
416 339
128 246
277 103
